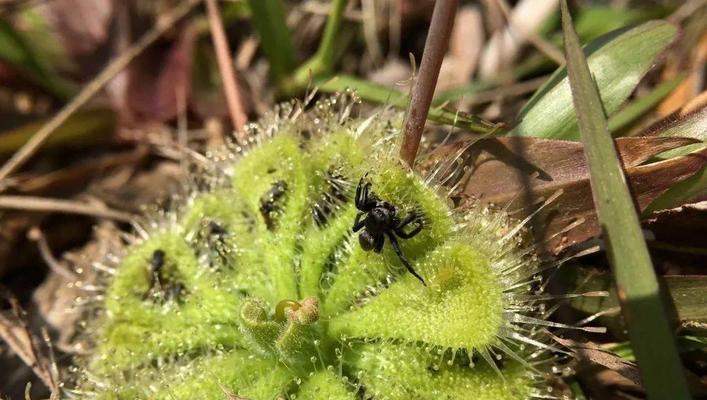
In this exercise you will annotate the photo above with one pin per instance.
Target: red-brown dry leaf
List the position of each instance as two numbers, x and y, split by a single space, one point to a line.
207 98
520 172
81 25
157 78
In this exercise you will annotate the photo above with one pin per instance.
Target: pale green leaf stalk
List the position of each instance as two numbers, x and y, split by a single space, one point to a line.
257 286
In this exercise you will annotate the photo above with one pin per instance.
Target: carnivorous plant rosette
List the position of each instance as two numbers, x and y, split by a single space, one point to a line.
257 286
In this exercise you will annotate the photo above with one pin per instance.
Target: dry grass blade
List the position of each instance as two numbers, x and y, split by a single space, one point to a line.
228 74
638 290
91 89
29 203
16 333
595 354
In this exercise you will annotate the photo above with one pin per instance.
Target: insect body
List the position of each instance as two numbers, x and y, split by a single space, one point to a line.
270 202
211 244
378 219
160 286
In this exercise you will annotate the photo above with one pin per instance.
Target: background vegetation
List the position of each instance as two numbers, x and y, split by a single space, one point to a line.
99 100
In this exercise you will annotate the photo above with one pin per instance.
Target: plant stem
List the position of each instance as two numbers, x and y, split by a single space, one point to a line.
228 74
636 283
435 49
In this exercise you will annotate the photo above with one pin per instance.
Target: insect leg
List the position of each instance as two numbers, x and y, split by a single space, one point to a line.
406 263
413 217
379 242
358 222
364 199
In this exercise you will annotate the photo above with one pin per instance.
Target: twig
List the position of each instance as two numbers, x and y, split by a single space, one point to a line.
30 203
435 48
28 149
16 333
512 90
228 74
36 234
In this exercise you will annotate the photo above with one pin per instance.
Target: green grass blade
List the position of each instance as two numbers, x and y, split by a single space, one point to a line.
380 94
683 192
268 17
643 310
323 60
456 93
693 125
636 109
17 51
618 61
83 128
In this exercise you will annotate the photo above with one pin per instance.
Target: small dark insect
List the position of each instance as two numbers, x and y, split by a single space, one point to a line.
211 244
323 209
161 287
269 202
217 229
379 219
157 261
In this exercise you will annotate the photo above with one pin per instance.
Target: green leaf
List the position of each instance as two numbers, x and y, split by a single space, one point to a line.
84 127
647 322
325 385
682 192
685 344
391 371
462 294
618 61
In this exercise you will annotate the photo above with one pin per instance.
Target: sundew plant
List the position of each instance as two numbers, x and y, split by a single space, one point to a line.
256 286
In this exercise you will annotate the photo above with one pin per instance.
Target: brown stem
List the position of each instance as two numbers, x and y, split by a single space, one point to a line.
228 74
435 49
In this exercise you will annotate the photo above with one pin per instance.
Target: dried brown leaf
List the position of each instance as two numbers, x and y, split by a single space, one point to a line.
589 352
518 173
